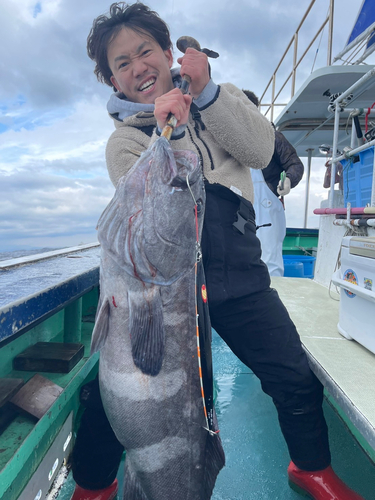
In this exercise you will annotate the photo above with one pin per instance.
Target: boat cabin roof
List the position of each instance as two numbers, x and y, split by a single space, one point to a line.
306 121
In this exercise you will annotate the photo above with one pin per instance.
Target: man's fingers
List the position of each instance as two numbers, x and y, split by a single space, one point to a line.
195 65
173 102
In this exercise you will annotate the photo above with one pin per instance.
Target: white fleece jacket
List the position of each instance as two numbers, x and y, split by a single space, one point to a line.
234 136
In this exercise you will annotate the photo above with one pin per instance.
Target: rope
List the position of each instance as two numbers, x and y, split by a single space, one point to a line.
317 50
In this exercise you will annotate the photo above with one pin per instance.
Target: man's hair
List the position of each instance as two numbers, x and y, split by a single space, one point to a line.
137 17
253 98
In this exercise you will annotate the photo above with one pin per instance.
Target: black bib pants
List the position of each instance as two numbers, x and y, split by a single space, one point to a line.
250 317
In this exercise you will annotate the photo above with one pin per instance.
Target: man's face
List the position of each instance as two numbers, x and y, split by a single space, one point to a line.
140 68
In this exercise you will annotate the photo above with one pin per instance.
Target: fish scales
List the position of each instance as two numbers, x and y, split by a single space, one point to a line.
146 329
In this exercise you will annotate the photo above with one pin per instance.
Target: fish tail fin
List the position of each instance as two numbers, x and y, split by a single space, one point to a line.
101 328
215 461
147 330
132 487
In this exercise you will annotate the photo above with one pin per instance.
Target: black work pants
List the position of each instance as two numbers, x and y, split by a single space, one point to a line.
250 317
260 332
97 452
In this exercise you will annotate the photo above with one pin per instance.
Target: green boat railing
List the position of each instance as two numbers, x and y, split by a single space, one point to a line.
62 312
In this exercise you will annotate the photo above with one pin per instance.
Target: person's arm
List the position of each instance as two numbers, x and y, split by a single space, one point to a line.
123 149
288 160
227 113
237 125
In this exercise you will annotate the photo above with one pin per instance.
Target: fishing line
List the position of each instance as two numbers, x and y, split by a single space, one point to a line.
196 216
191 192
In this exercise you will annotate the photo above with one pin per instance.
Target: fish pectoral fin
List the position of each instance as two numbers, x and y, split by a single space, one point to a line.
147 330
100 332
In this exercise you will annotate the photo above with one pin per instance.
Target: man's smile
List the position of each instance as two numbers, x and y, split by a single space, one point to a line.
147 85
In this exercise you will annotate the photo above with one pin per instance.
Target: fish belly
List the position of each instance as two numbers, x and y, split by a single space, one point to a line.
158 419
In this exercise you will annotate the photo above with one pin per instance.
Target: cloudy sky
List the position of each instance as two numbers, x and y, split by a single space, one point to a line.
53 120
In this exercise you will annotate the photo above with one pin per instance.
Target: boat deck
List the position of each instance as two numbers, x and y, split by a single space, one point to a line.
345 367
256 453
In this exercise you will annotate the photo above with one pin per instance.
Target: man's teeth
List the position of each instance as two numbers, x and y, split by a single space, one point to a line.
147 84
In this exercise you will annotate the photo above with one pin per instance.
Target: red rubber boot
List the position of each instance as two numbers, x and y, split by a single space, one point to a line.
320 485
108 493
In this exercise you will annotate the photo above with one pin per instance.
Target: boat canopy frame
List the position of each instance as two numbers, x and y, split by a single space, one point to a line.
352 48
366 81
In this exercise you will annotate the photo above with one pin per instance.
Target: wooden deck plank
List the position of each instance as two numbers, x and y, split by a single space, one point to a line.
36 396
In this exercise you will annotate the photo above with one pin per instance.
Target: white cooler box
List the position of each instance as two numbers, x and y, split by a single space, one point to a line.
356 278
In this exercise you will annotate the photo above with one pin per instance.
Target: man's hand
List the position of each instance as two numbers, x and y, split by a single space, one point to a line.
172 102
286 189
195 64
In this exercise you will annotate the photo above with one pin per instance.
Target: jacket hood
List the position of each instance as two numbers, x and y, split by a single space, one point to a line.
120 107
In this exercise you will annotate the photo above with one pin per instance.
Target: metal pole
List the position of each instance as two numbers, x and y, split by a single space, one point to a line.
309 156
334 155
353 138
365 55
330 33
355 151
373 183
359 83
273 95
347 111
355 42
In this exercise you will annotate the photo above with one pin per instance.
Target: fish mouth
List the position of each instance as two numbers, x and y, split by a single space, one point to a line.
179 182
147 85
184 179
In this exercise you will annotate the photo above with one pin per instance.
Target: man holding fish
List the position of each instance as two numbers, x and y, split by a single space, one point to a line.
218 134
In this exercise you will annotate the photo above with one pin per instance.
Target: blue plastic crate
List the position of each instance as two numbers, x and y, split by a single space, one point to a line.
299 266
357 178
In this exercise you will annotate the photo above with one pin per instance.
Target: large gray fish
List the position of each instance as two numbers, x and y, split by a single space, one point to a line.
146 328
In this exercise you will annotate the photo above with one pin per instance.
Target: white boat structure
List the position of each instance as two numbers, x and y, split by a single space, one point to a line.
334 110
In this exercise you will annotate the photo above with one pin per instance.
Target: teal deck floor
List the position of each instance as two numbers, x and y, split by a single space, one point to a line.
256 454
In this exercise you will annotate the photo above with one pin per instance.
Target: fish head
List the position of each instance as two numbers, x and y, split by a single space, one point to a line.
173 210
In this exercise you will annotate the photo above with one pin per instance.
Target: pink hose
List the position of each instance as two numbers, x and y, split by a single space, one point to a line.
320 211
